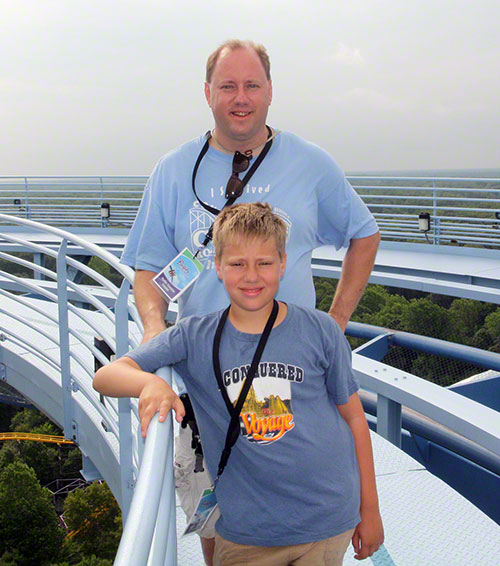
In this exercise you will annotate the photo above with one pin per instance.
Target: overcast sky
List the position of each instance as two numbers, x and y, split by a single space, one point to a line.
106 87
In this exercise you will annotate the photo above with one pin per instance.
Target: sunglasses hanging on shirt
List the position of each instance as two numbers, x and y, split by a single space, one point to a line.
235 185
234 188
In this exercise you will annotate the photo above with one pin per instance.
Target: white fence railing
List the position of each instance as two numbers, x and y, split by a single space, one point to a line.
462 211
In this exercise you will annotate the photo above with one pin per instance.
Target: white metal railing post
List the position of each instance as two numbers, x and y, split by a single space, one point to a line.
435 213
124 408
70 427
389 419
26 198
103 221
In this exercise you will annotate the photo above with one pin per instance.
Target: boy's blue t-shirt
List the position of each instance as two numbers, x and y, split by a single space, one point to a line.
292 476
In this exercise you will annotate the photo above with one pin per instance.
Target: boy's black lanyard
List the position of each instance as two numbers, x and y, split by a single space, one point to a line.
233 430
244 181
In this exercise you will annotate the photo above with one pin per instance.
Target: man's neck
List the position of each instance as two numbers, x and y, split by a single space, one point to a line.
248 147
255 322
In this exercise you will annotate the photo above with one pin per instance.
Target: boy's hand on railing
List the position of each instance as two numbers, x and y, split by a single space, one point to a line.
368 535
158 397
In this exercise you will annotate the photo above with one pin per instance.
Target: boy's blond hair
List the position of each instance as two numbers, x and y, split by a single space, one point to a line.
250 220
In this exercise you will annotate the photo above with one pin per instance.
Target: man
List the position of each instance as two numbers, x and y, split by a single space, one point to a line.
299 180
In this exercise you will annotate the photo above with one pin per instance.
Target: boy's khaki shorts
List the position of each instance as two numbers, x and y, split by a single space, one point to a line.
190 485
328 552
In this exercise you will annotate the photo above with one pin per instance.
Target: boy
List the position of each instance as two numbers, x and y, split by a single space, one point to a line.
300 482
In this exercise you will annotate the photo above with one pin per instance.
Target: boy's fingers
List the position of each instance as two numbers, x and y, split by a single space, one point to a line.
178 407
145 420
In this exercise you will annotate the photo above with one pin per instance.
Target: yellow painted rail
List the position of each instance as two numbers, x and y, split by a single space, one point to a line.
36 437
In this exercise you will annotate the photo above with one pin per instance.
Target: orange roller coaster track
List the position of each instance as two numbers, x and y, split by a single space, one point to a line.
35 437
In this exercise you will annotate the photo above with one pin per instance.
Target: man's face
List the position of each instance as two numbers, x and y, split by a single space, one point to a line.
239 95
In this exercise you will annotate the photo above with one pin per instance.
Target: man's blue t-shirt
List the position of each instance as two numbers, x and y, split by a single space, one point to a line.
300 181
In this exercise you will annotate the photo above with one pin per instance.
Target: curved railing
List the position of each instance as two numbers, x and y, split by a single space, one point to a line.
106 430
66 346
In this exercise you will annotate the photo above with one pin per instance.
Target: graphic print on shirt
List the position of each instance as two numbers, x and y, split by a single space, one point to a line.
267 414
200 221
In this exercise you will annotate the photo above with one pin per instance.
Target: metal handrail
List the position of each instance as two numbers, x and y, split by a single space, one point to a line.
75 366
149 533
454 204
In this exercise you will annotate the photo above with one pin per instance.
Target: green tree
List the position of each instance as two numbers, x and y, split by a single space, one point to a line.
28 520
492 325
94 520
48 460
325 289
467 317
86 561
29 419
10 558
6 414
426 318
373 301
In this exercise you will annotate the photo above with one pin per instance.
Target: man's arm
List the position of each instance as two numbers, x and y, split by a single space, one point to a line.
369 534
151 305
356 268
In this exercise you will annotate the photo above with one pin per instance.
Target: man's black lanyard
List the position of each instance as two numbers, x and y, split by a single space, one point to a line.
233 430
244 181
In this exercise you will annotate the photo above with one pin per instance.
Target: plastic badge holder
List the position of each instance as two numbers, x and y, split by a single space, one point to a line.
207 504
178 275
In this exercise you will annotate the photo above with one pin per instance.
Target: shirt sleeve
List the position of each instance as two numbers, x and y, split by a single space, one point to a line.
342 215
150 243
167 348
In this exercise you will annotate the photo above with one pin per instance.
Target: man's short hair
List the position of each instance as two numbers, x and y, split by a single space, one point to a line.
249 220
233 44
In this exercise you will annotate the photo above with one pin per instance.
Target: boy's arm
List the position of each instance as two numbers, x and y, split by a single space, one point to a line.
124 378
369 534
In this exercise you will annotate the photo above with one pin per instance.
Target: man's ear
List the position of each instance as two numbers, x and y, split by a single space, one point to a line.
217 267
270 91
207 93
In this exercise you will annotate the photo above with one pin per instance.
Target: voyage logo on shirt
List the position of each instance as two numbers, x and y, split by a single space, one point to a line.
267 413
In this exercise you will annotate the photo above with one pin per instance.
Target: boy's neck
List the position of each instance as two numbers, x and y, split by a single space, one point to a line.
254 322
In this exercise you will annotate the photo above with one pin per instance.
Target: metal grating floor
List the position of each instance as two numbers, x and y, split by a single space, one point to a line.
426 522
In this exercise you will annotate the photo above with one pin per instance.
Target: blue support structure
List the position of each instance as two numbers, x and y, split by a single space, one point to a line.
376 348
389 420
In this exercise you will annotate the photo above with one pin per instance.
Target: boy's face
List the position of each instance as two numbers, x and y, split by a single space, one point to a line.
251 270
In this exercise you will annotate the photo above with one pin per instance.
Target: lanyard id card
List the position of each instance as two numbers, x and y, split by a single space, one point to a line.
203 512
178 275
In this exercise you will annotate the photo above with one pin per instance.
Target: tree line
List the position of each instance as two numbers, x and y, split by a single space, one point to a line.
463 321
87 530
